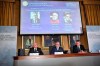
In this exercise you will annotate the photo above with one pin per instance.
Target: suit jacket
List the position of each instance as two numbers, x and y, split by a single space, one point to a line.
37 51
76 49
54 49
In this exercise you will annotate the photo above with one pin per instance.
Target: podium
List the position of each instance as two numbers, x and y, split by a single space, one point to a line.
86 59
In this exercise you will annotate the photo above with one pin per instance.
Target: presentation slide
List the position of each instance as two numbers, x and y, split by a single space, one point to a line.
50 17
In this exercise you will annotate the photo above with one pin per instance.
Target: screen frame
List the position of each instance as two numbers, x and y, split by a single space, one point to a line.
52 33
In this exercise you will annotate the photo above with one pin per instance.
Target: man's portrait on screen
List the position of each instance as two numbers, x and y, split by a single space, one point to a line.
35 17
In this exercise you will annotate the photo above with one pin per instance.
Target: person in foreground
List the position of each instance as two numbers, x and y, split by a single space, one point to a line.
35 49
57 48
78 48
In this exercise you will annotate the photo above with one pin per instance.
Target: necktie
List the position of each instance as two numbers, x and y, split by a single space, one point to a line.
78 48
35 50
57 48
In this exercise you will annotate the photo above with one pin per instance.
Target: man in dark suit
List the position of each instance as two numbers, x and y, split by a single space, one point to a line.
78 48
35 49
56 48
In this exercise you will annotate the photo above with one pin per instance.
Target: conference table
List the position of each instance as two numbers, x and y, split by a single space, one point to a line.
85 59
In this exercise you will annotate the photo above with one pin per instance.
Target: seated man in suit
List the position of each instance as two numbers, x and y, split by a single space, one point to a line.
78 48
56 48
35 49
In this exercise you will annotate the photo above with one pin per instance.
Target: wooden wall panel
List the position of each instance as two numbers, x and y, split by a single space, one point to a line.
19 41
83 38
98 14
17 23
83 18
38 39
1 7
7 0
92 14
7 12
65 42
17 14
91 2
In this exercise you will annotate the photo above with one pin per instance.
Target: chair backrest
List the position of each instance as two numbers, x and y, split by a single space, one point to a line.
21 52
50 48
65 51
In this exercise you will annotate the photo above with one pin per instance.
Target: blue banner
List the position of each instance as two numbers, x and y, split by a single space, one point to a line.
93 34
8 43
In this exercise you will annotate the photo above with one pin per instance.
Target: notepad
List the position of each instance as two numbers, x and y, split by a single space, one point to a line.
33 54
57 53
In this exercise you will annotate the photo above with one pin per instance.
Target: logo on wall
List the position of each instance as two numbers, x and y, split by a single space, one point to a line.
25 3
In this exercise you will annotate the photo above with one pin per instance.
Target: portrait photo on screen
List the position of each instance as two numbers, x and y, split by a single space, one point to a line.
35 17
67 17
54 18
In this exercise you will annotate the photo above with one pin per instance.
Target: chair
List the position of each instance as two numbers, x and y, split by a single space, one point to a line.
65 51
50 48
21 52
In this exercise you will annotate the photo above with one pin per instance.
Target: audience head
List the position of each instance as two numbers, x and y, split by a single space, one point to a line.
78 42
